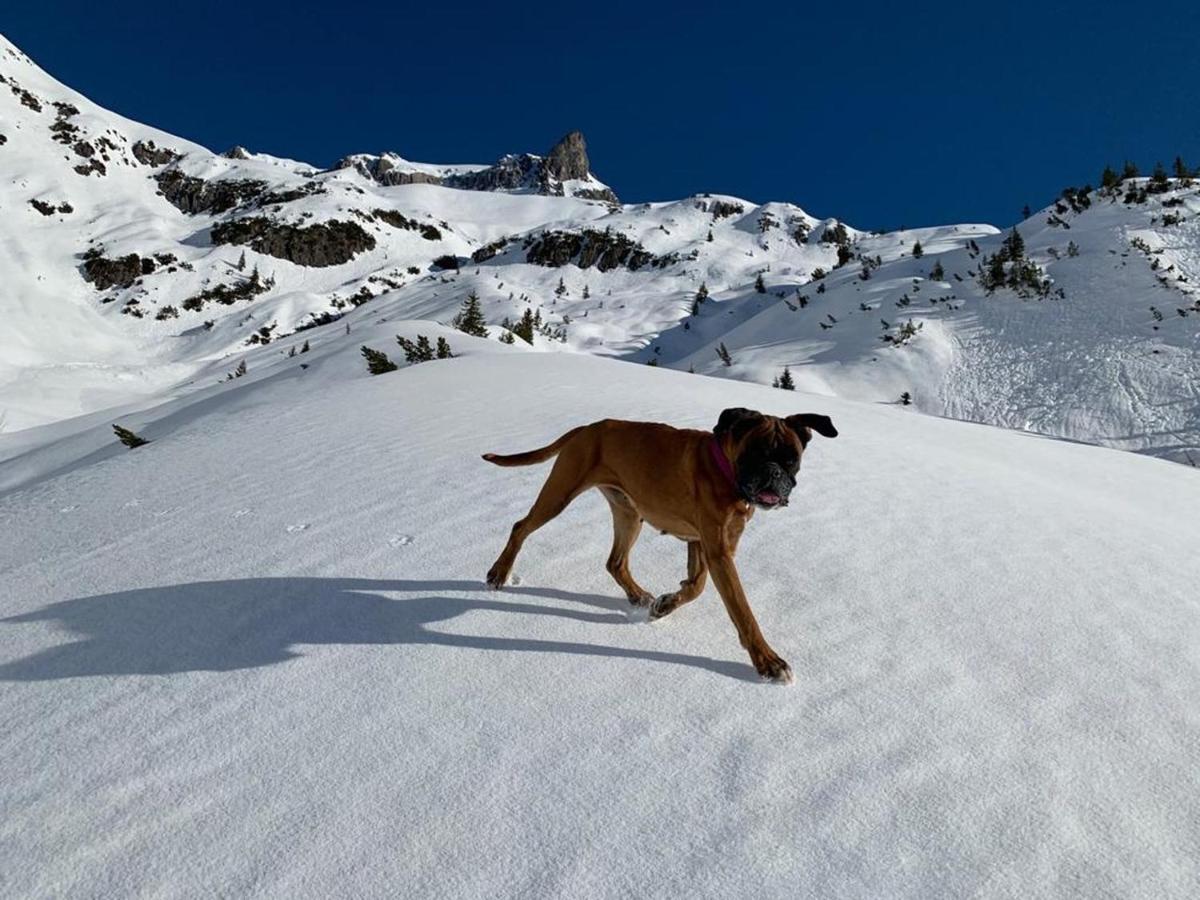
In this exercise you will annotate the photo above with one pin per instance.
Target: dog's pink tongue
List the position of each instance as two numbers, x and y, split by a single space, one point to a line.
768 497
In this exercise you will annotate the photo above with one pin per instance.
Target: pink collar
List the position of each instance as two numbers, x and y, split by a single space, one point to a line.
723 463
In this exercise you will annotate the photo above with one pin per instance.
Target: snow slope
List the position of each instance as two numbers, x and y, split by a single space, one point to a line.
1109 356
256 658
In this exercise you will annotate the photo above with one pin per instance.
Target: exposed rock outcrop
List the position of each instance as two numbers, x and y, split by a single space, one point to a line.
105 273
324 244
150 154
397 220
603 249
566 161
568 158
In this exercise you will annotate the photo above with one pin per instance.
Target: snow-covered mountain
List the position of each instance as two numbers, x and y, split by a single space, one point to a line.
136 266
257 657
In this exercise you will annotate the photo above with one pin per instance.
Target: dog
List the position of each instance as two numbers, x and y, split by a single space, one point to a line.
702 487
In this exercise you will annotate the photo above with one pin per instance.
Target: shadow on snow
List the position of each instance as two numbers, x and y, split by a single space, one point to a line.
220 626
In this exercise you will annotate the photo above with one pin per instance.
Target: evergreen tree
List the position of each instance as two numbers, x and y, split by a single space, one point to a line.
906 398
525 328
1026 212
415 352
917 250
1182 172
241 263
1072 249
1109 178
128 438
710 237
377 361
443 348
937 273
1158 180
470 318
506 337
305 348
1129 171
785 380
240 370
586 293
759 285
1014 245
561 289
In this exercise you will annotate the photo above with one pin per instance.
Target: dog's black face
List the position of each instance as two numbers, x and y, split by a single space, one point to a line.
766 451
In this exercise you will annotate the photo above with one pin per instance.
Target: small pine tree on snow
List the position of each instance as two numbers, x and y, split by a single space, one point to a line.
652 361
844 254
937 273
1158 180
759 285
1014 245
695 307
443 349
128 438
470 318
785 380
377 361
917 251
525 328
1072 249
723 353
1026 212
1130 170
561 289
710 237
906 398
304 348
702 293
241 263
240 370
506 337
587 294
1109 178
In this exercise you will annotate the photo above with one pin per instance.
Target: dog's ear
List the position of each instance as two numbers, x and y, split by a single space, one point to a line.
737 421
804 424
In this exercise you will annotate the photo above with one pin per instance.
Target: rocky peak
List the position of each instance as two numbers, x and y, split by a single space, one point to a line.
568 158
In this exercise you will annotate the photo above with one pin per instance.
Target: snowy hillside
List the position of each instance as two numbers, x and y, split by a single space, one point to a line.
133 264
255 657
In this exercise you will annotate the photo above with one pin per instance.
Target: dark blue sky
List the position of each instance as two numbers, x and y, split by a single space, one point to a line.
884 114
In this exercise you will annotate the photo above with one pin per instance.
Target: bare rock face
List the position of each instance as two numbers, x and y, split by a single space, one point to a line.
324 244
567 161
382 170
236 152
105 273
149 154
568 158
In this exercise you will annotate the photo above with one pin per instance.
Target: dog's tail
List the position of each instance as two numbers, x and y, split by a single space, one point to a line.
530 457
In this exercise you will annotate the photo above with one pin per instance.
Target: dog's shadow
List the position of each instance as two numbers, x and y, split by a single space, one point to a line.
220 626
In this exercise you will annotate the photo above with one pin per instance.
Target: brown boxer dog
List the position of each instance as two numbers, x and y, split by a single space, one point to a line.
699 486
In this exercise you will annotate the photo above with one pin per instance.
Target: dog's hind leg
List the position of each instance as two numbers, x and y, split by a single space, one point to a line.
690 589
627 525
568 479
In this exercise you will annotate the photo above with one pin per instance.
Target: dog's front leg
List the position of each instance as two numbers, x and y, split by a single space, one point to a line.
724 574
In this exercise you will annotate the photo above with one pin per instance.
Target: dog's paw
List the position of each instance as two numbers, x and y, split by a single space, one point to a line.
495 579
663 606
775 670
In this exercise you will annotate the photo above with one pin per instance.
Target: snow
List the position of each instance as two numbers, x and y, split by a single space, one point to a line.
256 657
1095 364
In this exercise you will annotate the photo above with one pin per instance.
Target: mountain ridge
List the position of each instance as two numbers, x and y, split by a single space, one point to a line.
143 263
